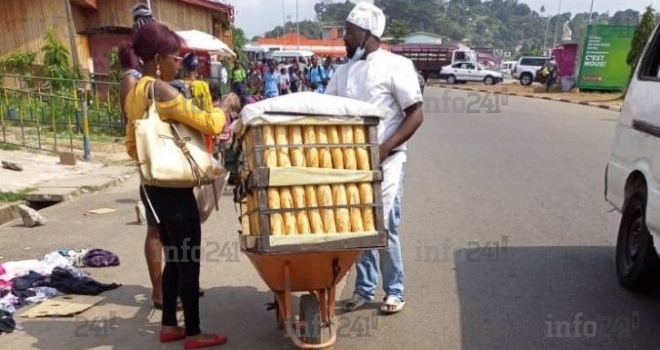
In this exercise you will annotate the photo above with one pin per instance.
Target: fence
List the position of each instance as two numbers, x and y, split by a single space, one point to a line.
44 113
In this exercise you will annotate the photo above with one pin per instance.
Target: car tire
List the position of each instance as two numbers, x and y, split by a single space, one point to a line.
637 262
451 80
526 79
489 80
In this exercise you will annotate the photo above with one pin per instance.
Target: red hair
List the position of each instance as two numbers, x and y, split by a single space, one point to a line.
127 59
151 39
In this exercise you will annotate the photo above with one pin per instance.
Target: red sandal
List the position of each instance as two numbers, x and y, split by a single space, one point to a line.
218 339
168 337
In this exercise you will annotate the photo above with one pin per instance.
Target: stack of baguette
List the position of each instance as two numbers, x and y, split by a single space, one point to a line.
301 218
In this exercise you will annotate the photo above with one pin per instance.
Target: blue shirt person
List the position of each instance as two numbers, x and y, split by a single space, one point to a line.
272 81
317 78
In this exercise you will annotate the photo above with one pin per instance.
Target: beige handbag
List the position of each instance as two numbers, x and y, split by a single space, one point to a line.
207 196
171 154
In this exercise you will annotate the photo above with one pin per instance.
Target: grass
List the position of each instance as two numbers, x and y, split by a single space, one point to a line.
17 196
8 147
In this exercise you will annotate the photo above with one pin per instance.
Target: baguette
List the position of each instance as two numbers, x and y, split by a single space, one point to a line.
325 159
350 161
281 139
301 215
276 224
367 197
290 226
361 153
353 195
270 156
316 222
342 215
296 153
311 153
328 215
337 155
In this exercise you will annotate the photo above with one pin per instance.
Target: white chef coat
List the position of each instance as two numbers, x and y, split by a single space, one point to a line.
390 82
383 79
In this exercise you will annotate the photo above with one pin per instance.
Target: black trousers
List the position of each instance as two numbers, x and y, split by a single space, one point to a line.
181 235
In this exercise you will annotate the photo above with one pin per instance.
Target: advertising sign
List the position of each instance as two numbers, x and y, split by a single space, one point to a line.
603 65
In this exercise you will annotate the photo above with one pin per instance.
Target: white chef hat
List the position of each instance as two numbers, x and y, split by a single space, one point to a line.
368 17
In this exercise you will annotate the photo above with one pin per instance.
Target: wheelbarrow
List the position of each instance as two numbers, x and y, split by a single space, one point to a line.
316 273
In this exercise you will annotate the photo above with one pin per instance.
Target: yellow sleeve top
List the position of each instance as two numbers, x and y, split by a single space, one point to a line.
202 95
179 109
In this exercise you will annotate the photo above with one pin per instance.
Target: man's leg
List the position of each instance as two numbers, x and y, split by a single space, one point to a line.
391 261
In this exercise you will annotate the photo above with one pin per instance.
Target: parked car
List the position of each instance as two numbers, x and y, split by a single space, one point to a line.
467 71
632 176
507 67
527 68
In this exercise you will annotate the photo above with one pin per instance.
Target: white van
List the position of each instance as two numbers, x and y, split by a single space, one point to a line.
285 56
632 177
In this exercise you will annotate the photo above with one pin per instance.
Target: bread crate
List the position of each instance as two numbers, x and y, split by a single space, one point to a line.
310 175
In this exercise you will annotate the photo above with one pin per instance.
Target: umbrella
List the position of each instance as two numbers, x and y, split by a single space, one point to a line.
196 40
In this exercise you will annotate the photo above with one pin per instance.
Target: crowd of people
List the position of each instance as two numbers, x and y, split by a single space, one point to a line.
280 78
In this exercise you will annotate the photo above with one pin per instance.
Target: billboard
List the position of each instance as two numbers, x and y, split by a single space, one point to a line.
603 65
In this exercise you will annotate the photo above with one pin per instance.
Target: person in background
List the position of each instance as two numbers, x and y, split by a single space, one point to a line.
550 73
302 72
316 76
329 70
238 77
285 83
179 226
387 81
196 90
255 90
272 81
294 77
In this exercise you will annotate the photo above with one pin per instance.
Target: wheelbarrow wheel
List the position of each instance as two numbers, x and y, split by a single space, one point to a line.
310 316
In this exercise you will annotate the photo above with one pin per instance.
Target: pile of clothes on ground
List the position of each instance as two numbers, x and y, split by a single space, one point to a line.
31 282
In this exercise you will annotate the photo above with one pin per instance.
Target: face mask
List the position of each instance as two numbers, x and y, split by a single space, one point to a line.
361 51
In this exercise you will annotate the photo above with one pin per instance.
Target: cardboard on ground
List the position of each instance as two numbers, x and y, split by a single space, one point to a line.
63 305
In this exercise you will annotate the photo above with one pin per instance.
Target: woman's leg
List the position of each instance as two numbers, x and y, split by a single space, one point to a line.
153 251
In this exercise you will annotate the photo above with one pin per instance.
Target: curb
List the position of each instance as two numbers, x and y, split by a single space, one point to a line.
64 193
60 195
563 100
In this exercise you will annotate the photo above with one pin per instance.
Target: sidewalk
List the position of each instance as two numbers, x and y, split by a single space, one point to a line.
235 298
608 101
44 179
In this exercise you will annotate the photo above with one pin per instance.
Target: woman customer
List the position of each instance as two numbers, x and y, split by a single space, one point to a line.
180 229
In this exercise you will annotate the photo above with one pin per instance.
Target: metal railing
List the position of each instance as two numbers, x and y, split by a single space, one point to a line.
44 113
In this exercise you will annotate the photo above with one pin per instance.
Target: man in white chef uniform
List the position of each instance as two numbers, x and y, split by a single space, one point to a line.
390 82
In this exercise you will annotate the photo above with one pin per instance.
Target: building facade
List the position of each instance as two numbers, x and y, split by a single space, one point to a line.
98 25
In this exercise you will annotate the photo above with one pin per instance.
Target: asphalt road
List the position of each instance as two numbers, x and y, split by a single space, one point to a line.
505 232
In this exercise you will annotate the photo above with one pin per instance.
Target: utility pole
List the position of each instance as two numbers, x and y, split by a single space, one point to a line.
283 25
297 27
591 11
554 42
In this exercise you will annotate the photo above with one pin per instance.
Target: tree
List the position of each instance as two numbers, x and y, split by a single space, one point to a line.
642 34
398 29
333 12
56 63
238 41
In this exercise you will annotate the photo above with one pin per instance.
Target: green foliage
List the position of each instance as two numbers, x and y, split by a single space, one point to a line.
509 25
18 62
398 29
328 12
115 72
642 34
308 29
56 63
17 196
238 40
